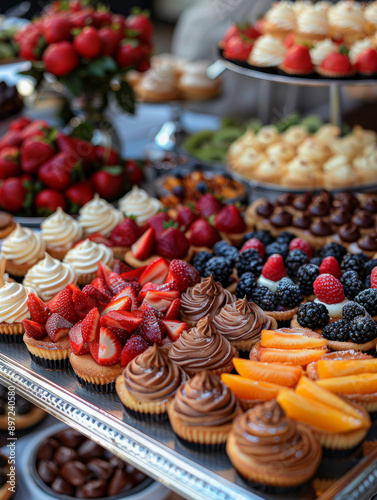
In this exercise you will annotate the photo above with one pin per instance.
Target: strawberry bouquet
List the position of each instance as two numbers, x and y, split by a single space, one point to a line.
42 169
85 47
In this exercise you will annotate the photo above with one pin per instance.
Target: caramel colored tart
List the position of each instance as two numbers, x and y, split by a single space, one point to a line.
93 376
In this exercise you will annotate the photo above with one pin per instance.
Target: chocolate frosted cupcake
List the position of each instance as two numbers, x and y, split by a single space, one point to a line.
202 348
267 447
205 298
241 323
203 410
149 382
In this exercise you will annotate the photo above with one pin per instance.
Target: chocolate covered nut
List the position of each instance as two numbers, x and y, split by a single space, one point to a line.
75 473
100 468
265 209
89 449
65 454
92 489
47 470
61 486
70 438
46 451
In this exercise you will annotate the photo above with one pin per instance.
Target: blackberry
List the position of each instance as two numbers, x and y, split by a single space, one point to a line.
285 237
363 329
352 284
338 330
317 261
220 268
368 299
246 286
249 261
280 248
264 237
353 309
296 259
335 250
370 265
288 294
223 249
200 261
264 298
367 283
353 262
313 315
306 276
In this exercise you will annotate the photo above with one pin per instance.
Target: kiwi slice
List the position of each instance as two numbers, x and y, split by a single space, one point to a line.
228 121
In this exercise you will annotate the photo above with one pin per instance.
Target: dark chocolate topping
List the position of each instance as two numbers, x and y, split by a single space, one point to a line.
368 242
320 228
349 233
281 219
284 200
370 204
265 209
302 221
346 200
340 216
319 208
302 202
363 219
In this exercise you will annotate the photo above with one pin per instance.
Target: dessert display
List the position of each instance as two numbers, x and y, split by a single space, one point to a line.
171 79
67 463
297 38
303 160
26 414
43 169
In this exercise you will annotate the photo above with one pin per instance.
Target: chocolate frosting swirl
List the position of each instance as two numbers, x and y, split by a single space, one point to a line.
202 299
205 400
268 437
241 321
349 233
152 376
202 348
368 242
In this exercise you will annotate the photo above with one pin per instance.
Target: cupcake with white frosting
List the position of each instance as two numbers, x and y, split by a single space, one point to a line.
279 20
60 231
138 204
22 249
194 83
347 21
312 24
49 277
98 216
84 259
267 51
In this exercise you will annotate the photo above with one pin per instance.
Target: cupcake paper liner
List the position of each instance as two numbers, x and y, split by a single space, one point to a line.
12 333
203 448
147 417
50 364
90 386
85 279
338 441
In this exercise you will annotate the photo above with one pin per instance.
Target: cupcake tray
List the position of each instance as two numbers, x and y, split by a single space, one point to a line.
153 447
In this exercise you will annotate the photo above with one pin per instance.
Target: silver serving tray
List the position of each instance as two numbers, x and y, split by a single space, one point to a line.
153 447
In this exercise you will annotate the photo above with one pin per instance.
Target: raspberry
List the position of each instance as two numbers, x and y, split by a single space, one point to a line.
295 259
328 289
274 269
313 315
300 244
330 266
373 278
255 244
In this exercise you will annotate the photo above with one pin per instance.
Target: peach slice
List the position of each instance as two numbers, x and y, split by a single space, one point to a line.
316 414
244 388
281 340
328 368
310 390
268 372
301 357
364 383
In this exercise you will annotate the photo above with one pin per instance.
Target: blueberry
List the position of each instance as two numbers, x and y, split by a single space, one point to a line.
179 191
201 187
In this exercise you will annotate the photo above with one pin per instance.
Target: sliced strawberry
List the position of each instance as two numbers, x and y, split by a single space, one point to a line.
174 328
133 275
134 346
185 217
152 327
172 244
115 283
143 247
120 267
57 327
155 272
330 265
182 273
101 285
173 311
39 310
229 220
274 269
101 299
300 244
90 326
106 350
165 287
34 329
202 234
78 345
83 303
131 293
118 304
208 205
103 271
121 319
121 334
161 300
328 289
63 305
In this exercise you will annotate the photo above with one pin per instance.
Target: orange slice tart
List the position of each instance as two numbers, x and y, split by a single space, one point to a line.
345 367
360 388
337 424
251 392
280 340
273 373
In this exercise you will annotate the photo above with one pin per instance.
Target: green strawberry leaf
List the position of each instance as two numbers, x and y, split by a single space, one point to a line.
52 134
211 220
28 201
73 83
113 170
125 97
169 223
83 131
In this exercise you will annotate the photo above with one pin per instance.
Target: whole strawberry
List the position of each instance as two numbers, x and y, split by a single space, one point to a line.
202 234
48 200
108 182
79 194
9 162
183 274
330 265
185 217
208 205
88 43
328 289
229 220
60 58
34 152
13 194
126 233
373 278
172 244
56 172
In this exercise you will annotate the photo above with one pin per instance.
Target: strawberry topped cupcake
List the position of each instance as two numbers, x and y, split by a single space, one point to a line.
230 223
336 64
297 61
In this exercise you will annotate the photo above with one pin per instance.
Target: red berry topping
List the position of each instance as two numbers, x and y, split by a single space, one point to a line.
328 289
106 350
255 244
298 59
134 346
183 274
366 62
330 266
208 205
300 244
185 217
229 220
274 269
125 234
172 244
336 62
202 234
373 278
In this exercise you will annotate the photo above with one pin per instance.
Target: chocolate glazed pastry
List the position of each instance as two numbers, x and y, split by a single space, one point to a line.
267 447
203 410
148 383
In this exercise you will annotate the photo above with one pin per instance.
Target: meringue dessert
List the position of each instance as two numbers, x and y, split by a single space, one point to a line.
60 231
99 216
138 204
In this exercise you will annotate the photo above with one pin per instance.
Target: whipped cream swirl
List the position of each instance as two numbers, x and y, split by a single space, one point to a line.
60 230
139 204
13 303
23 246
85 256
98 216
